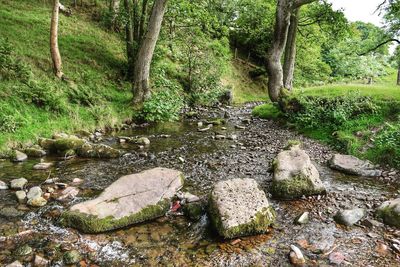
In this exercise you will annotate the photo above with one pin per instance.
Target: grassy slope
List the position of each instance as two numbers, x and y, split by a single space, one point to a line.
91 57
384 93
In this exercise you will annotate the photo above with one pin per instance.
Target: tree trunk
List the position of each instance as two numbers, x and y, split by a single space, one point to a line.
398 75
114 8
141 85
290 51
274 66
142 20
55 52
129 42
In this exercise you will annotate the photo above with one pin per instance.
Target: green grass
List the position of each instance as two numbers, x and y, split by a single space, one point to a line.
358 134
92 58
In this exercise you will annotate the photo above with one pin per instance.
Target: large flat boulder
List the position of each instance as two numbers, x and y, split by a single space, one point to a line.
354 166
129 200
389 212
239 207
295 175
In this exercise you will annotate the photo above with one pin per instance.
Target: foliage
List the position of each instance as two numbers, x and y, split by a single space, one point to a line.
164 105
11 67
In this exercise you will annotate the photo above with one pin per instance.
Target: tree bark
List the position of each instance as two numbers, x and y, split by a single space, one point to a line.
398 75
141 85
274 66
129 42
55 52
114 8
290 52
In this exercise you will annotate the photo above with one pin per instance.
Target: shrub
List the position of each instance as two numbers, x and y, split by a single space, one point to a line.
162 106
387 145
10 119
12 68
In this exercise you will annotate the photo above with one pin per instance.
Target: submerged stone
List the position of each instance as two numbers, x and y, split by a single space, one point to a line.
349 217
389 212
43 166
353 166
129 200
295 176
98 151
239 208
35 152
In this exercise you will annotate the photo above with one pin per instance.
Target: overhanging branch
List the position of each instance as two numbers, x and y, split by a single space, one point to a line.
381 44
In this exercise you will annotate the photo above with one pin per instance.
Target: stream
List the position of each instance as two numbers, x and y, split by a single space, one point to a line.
177 241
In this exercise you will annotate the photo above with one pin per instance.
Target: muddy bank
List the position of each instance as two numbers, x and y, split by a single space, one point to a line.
204 160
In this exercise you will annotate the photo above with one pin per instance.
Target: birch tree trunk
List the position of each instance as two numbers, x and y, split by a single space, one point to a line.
141 85
55 52
290 52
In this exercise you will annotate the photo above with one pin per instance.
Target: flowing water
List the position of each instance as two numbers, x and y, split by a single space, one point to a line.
177 241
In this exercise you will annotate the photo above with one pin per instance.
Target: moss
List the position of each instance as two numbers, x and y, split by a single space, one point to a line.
292 143
65 144
389 216
92 224
259 225
294 188
194 210
35 152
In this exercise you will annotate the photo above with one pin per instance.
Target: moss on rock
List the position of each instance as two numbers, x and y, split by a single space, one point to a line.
194 210
65 144
389 216
92 224
294 188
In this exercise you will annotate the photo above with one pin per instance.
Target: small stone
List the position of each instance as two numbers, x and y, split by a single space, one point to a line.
349 217
220 137
34 192
182 160
303 218
382 249
18 183
50 190
68 194
10 212
389 212
200 124
51 181
35 152
40 261
71 257
296 256
77 181
43 166
336 258
37 202
143 141
3 186
204 129
233 137
15 264
18 156
24 250
46 196
239 127
21 196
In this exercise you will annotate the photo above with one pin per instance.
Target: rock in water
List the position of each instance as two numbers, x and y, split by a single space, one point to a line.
43 166
295 175
3 186
18 183
349 217
239 207
353 166
129 200
18 156
389 211
98 151
35 152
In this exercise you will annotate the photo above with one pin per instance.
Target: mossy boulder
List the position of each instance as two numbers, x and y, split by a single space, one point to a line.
194 210
98 151
239 207
131 199
35 151
70 143
47 144
295 176
389 212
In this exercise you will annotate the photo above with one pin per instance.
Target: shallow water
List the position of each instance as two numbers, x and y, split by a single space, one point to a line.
176 241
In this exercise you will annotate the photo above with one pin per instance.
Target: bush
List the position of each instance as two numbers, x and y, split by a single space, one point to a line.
12 68
162 106
387 145
10 119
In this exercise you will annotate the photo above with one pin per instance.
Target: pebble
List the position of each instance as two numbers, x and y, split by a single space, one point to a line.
77 181
68 194
296 256
15 264
182 160
240 127
40 261
37 202
72 257
3 186
21 196
336 258
43 166
233 137
34 192
303 218
51 181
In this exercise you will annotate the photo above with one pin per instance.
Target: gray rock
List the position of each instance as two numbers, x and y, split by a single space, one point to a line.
40 261
34 192
220 137
295 176
18 183
353 166
10 212
3 186
15 264
18 156
239 207
21 196
389 212
140 141
129 200
43 166
72 257
232 137
303 218
98 151
349 217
